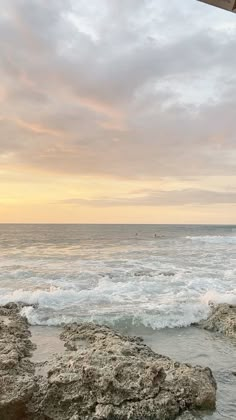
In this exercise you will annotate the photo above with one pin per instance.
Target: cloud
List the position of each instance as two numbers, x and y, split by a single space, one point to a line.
125 89
160 198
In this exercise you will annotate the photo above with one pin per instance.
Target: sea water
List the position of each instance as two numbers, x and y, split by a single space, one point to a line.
150 275
150 279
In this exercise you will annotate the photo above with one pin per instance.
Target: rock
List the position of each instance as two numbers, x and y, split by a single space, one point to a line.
188 416
17 382
118 377
222 319
103 375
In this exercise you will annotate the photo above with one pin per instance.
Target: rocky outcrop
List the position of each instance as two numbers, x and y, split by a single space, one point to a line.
105 375
222 319
17 382
102 375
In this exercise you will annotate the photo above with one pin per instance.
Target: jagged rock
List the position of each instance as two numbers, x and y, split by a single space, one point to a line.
118 377
222 319
17 382
103 375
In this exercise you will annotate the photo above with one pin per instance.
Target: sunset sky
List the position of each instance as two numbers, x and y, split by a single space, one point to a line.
117 111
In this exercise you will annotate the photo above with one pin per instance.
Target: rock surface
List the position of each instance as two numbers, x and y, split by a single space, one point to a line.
222 319
188 416
17 382
102 375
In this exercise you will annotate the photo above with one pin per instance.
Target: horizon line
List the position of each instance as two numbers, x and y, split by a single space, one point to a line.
112 224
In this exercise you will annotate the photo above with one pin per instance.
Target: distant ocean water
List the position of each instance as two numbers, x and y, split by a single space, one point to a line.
146 276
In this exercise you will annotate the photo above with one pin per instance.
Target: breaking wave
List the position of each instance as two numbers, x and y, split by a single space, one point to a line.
122 307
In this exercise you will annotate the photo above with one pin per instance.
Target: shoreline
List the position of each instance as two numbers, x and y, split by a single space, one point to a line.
192 345
101 375
80 343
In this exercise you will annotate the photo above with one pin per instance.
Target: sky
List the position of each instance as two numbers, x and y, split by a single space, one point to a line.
117 111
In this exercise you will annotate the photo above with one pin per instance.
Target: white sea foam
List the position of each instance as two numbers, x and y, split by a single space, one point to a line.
150 303
214 239
215 297
181 318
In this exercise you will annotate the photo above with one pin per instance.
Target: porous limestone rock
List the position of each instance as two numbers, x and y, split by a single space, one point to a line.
105 375
17 382
188 416
222 319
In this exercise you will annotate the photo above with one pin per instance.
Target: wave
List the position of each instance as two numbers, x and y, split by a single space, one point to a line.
172 301
105 292
217 239
156 321
119 305
215 297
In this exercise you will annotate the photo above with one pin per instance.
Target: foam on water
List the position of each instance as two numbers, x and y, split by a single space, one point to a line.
110 275
57 307
213 297
214 239
135 302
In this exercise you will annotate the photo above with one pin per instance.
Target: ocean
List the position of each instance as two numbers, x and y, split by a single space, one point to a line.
151 280
150 276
